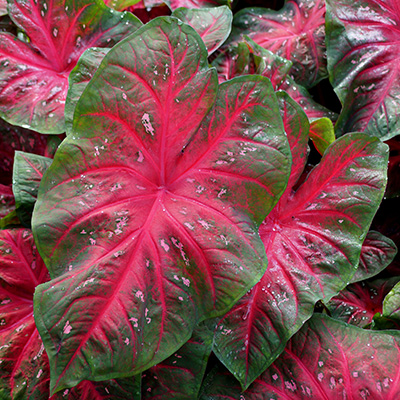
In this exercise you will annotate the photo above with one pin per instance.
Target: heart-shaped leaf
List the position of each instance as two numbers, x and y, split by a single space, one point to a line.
187 365
212 24
27 175
363 57
359 302
34 73
24 365
296 32
377 252
322 134
327 359
155 199
313 241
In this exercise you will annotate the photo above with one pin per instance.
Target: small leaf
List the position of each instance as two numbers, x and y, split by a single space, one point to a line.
11 220
78 80
322 134
233 61
359 302
212 24
155 199
34 73
13 138
296 32
27 175
391 306
377 252
363 58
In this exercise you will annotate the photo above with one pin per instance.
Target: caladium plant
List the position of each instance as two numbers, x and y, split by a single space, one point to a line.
199 209
34 73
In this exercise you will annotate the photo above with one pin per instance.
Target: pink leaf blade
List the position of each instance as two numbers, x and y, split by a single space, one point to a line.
34 80
313 244
156 237
327 359
359 302
363 53
296 32
24 367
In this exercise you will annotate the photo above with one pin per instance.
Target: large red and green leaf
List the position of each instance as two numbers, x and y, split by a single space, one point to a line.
34 73
24 365
296 32
313 240
363 55
327 359
148 216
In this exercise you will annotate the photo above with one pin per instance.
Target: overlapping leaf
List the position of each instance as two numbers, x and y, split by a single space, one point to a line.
377 252
322 134
34 73
78 80
296 32
359 302
363 55
148 216
27 175
7 201
24 366
212 24
313 240
327 359
250 58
